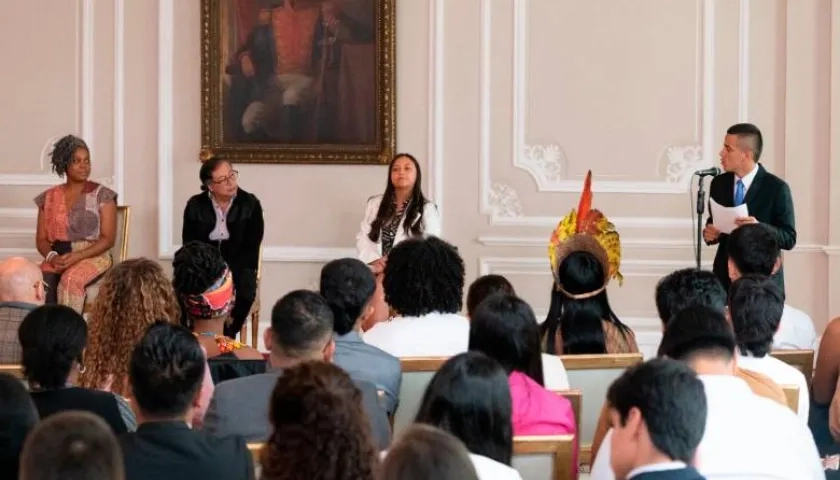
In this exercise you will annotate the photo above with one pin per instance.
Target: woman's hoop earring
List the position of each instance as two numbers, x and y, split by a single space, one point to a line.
82 368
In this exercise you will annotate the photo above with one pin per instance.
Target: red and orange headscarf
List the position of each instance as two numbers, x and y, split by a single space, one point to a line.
216 301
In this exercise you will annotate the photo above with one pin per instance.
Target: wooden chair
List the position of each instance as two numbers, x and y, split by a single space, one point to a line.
255 310
792 397
593 375
574 396
13 370
544 457
417 372
119 252
803 360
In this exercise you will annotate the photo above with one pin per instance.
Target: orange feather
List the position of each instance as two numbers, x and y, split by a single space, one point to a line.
585 204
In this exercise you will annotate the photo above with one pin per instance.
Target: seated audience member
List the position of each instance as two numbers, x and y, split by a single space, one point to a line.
72 445
18 417
755 308
423 452
53 339
753 249
319 427
584 253
469 397
658 410
746 436
424 284
504 328
205 289
348 287
554 373
301 330
166 372
22 289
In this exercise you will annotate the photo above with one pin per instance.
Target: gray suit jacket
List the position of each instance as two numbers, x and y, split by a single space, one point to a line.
370 364
240 407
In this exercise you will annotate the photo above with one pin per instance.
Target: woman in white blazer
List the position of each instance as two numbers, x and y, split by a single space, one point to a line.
401 212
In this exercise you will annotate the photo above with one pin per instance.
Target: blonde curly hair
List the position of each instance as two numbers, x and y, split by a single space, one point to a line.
133 295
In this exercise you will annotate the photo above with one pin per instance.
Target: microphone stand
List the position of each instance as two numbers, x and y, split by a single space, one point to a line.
701 209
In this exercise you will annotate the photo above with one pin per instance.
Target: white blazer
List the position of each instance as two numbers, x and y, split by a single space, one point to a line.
370 251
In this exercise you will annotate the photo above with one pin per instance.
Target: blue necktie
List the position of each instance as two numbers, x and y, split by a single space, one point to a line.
739 192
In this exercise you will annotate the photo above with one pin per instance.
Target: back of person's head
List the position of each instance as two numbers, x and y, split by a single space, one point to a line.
320 427
752 248
424 275
504 328
756 304
52 339
166 371
469 397
301 327
21 280
18 417
688 287
347 285
72 445
485 286
657 407
698 332
195 267
424 452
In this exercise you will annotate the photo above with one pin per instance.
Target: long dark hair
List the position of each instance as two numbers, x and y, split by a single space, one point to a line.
469 397
387 208
579 321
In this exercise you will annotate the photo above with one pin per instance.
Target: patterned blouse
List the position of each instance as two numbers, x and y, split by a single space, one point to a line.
82 220
389 229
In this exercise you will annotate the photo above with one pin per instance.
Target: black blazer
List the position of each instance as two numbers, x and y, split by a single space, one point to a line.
687 473
769 200
244 223
101 404
171 450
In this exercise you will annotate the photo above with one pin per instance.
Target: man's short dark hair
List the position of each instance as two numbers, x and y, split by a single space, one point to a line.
753 249
300 321
424 275
756 304
698 331
166 370
687 287
672 403
52 339
18 417
347 285
72 445
750 137
485 286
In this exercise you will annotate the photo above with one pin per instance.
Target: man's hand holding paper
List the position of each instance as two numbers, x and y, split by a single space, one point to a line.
727 219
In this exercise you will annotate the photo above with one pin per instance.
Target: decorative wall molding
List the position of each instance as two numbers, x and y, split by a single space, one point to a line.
437 21
11 212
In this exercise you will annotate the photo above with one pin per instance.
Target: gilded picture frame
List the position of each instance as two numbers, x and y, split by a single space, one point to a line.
298 81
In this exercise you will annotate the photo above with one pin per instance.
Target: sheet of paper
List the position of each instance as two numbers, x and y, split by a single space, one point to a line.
724 217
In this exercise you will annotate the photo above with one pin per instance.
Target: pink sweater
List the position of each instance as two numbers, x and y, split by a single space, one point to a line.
536 411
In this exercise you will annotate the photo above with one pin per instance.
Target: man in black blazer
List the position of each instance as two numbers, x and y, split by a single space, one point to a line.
658 410
166 371
767 196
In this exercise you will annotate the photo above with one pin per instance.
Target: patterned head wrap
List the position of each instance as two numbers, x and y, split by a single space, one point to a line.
586 230
216 301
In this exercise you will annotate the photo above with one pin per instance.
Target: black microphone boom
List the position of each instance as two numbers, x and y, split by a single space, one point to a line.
711 171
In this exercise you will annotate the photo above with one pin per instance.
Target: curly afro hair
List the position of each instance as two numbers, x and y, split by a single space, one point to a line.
424 275
196 266
62 153
320 427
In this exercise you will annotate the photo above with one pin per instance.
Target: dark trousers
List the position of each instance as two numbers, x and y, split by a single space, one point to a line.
245 282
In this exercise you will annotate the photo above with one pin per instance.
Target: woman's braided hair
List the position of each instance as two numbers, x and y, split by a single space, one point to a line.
62 153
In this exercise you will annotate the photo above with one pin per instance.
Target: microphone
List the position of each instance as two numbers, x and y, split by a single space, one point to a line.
711 171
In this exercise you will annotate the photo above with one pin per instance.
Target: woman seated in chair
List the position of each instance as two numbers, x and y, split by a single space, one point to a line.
205 288
584 253
231 220
76 225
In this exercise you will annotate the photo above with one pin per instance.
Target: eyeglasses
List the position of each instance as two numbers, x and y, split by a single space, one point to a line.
230 178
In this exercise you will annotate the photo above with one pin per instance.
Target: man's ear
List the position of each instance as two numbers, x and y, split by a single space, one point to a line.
777 265
329 351
267 334
733 270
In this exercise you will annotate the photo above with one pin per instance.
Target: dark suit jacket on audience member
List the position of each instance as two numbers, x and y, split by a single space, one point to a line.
688 473
768 200
240 407
102 404
171 450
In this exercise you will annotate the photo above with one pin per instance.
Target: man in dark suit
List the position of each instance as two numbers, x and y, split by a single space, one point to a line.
767 196
166 371
301 330
658 410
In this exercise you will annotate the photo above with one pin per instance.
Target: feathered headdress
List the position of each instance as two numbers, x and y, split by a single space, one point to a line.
586 230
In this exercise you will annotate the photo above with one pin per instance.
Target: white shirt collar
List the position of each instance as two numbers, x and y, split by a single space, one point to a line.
748 178
656 467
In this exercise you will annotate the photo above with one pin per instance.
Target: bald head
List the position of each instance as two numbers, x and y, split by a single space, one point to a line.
20 281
